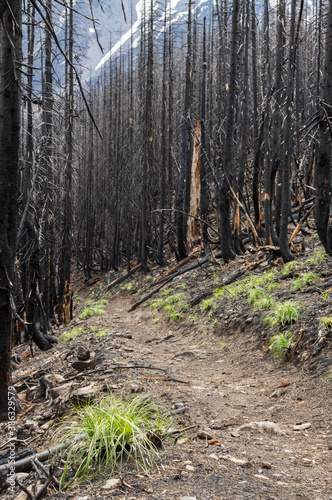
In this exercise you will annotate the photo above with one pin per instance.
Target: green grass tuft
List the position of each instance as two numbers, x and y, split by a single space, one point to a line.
172 305
285 313
102 332
280 343
115 430
325 323
71 334
94 309
290 266
304 279
317 258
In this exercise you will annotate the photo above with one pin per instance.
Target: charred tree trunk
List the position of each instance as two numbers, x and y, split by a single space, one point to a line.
10 110
324 163
228 167
183 175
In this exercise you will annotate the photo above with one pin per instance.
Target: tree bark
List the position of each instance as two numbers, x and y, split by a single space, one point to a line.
10 110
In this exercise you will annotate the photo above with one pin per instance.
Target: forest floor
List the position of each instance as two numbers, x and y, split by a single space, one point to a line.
268 423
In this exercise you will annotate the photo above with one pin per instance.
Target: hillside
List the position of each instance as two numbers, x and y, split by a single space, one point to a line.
267 421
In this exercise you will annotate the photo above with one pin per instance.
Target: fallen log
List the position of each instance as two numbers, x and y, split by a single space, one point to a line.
162 282
124 276
26 463
188 268
227 281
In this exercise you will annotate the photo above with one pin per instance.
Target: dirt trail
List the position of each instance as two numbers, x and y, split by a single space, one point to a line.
229 382
223 382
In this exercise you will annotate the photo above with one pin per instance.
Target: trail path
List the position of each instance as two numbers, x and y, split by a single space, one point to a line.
229 383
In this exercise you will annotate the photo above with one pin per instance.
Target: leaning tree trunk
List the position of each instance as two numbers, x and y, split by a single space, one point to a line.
324 163
10 105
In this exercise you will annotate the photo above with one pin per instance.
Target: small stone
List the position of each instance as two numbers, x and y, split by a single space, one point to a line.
83 354
111 483
204 434
185 354
31 424
146 351
80 366
214 456
84 394
302 427
46 426
178 405
82 498
181 441
188 498
266 465
61 390
191 468
259 476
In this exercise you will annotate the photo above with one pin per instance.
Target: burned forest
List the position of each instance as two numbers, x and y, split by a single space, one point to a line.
170 161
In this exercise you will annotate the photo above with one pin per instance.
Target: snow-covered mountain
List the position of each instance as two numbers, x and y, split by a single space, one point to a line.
114 33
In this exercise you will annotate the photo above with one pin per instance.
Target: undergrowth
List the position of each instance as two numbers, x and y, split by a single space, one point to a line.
280 344
72 334
94 309
104 434
172 305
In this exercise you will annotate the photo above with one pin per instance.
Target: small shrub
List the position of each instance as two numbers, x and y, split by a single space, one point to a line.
235 290
172 305
255 294
127 287
280 343
285 313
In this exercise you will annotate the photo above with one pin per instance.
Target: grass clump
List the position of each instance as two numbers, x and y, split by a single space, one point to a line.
264 303
325 323
114 430
317 258
285 313
94 309
172 305
290 266
102 332
304 279
219 292
280 344
71 334
209 305
127 287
